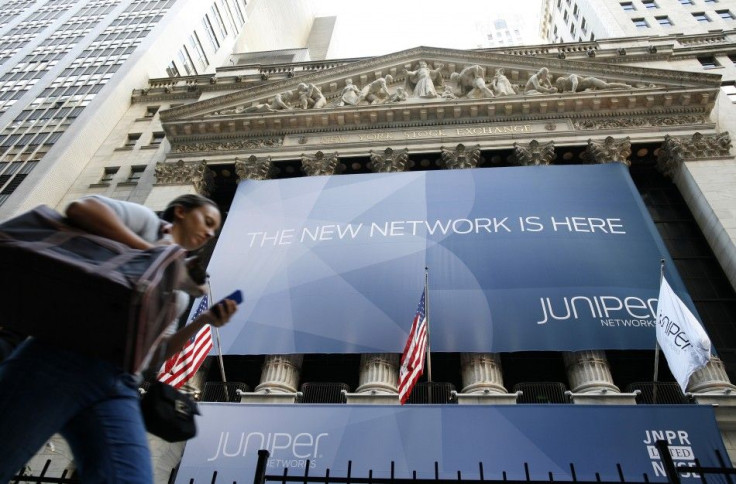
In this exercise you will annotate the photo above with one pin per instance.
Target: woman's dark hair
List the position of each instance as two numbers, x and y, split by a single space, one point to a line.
188 202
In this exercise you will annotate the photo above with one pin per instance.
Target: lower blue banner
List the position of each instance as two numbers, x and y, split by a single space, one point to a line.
546 439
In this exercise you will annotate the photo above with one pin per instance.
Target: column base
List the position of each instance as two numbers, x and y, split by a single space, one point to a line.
485 398
372 398
269 397
602 398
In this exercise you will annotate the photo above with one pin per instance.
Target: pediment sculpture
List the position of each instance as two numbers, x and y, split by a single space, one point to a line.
425 82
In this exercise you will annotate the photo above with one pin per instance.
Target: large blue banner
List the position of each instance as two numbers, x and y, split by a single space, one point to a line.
503 438
558 258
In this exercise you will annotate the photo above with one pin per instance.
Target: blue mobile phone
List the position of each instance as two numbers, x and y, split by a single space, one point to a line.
236 296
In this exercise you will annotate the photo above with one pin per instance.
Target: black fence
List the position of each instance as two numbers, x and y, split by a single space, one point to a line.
724 474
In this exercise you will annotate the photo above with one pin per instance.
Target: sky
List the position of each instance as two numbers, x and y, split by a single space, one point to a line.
379 27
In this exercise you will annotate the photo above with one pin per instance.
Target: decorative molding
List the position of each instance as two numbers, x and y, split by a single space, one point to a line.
460 157
389 160
675 150
228 145
320 164
609 151
182 173
535 153
254 168
639 122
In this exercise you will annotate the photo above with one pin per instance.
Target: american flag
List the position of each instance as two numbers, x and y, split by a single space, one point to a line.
412 360
181 367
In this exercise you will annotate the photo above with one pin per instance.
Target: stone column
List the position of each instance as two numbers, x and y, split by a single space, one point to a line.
711 378
280 374
481 373
588 372
460 157
609 150
179 178
320 164
534 153
379 373
254 168
389 160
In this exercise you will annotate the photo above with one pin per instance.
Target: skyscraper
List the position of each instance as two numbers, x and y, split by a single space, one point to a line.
67 69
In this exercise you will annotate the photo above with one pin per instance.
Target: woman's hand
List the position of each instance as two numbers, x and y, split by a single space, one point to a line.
219 314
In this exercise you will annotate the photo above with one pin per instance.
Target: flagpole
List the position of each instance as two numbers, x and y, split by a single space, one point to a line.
217 337
656 342
426 315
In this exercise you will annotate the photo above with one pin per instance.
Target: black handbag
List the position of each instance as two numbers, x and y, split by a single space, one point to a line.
169 413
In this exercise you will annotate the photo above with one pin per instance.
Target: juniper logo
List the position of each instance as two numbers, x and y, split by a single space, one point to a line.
286 449
680 448
611 310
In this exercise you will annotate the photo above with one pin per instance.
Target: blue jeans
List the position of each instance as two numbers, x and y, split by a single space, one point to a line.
93 404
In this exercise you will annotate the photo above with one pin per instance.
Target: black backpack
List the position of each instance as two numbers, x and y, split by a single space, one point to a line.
84 292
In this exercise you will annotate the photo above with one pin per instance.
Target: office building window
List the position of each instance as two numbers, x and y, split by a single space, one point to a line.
136 172
710 1
172 70
575 11
730 91
108 174
640 22
701 17
186 61
732 58
628 6
686 2
196 47
649 4
151 111
157 138
708 62
131 140
211 33
664 21
725 14
559 5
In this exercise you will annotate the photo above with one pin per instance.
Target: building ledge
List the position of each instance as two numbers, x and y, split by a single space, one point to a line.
603 398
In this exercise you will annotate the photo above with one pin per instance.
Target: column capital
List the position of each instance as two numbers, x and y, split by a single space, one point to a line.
180 172
460 157
254 168
389 160
320 163
609 150
676 150
535 153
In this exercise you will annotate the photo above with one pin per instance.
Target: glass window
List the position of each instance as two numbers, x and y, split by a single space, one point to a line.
649 4
664 21
186 61
640 22
109 173
708 62
628 6
151 111
158 137
196 47
136 172
132 140
210 33
701 17
725 14
686 2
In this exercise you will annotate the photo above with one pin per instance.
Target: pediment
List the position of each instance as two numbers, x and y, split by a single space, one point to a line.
426 86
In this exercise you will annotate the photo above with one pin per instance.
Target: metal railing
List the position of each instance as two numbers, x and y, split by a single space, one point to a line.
432 392
215 391
324 392
666 393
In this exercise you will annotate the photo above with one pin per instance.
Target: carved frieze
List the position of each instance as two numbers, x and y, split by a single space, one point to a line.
182 173
609 150
389 160
636 122
534 153
320 164
228 145
460 157
253 168
675 150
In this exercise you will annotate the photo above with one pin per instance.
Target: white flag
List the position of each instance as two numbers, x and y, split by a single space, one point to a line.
680 335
